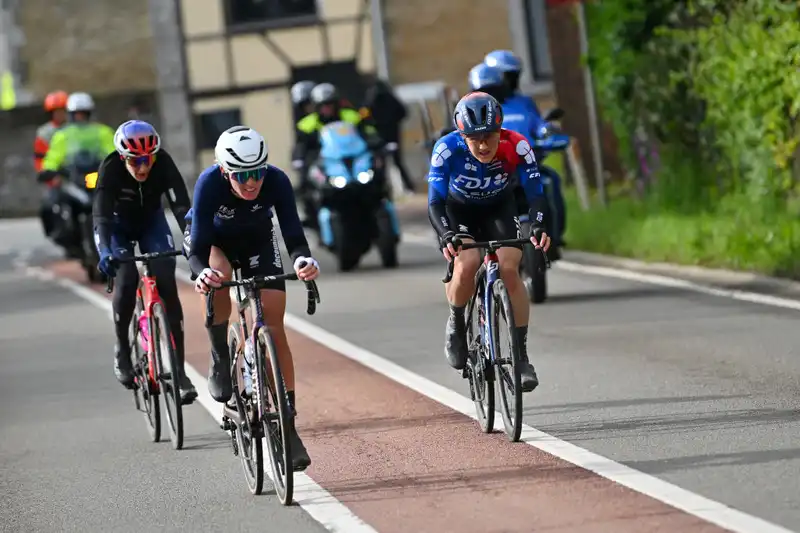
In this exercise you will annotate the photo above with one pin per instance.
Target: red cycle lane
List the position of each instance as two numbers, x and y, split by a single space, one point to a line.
403 462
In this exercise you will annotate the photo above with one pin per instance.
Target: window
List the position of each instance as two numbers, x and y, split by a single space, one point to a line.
241 12
211 125
539 45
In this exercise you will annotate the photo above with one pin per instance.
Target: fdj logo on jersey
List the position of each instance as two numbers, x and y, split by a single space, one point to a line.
481 187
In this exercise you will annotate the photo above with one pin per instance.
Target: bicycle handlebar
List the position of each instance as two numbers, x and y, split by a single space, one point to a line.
490 246
257 282
144 258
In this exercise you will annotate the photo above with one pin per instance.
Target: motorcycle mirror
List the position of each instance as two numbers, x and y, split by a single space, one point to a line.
554 114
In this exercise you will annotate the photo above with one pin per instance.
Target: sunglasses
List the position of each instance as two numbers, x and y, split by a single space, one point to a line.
246 175
142 160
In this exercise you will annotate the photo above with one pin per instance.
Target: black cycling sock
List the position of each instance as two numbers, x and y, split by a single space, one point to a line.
522 341
457 310
218 335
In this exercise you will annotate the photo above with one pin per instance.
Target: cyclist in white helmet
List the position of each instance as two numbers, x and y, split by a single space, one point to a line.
231 220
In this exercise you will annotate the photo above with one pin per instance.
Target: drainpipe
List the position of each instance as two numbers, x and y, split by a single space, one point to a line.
379 39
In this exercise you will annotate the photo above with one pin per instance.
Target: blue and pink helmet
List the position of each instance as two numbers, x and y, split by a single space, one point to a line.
136 138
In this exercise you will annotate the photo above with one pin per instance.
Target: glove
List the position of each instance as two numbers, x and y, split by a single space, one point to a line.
207 279
106 264
307 268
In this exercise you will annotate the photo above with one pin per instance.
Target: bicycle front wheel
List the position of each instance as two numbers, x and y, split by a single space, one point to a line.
479 373
277 424
168 374
509 378
249 435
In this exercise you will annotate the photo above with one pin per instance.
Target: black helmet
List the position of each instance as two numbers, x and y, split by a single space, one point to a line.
478 112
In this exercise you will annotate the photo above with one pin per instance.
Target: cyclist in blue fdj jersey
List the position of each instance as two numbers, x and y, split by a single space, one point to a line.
231 220
471 197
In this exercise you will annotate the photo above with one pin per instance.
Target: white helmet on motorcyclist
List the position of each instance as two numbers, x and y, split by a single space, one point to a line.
80 103
241 149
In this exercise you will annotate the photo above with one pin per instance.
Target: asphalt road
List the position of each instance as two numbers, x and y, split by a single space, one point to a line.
697 390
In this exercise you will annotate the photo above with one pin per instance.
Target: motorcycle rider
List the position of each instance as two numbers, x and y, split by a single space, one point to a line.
76 147
131 183
523 114
301 98
55 104
328 107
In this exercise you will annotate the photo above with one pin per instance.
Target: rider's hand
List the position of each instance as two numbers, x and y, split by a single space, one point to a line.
448 248
55 181
539 238
106 264
207 279
307 268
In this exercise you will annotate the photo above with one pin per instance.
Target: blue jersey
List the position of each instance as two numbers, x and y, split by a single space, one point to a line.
218 214
521 115
454 173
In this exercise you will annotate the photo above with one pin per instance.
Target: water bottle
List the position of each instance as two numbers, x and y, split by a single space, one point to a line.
144 339
247 371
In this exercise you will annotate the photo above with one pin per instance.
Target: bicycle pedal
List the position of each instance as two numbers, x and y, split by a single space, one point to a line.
227 424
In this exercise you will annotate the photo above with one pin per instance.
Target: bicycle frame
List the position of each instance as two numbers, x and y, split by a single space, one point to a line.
492 263
150 299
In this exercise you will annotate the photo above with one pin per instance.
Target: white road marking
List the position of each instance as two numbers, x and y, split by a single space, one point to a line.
694 504
312 498
652 279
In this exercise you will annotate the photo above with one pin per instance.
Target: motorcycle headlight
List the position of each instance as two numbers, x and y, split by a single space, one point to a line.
365 177
544 132
338 182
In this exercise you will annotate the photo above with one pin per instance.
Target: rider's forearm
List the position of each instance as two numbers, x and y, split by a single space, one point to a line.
197 264
297 246
437 214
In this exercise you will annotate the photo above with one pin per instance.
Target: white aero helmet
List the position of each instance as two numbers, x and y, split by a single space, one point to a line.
241 149
80 102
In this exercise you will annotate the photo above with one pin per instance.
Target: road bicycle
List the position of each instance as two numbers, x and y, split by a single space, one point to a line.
487 309
155 363
263 408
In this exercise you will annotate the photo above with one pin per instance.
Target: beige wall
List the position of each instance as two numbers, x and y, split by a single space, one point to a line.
101 47
255 65
441 40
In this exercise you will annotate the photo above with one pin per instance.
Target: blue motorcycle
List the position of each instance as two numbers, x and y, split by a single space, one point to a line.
351 193
545 141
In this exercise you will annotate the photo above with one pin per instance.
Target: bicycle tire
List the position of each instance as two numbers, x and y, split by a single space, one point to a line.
277 432
509 384
152 406
169 382
248 436
479 373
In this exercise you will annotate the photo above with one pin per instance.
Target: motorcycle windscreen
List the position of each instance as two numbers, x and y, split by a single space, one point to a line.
340 140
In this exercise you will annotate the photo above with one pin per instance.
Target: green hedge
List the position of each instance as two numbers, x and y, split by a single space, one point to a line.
726 237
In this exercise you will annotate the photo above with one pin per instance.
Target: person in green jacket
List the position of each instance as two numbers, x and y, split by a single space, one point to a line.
82 141
76 149
328 107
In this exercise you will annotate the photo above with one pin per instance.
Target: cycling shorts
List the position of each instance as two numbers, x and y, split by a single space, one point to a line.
486 223
255 255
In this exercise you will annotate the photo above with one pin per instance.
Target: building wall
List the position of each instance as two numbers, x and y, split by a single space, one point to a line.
441 40
102 47
244 74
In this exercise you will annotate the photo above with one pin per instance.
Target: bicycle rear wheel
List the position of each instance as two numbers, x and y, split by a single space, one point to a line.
509 379
249 435
479 373
168 374
276 424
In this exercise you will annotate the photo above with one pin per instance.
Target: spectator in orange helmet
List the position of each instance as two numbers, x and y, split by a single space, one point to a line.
55 104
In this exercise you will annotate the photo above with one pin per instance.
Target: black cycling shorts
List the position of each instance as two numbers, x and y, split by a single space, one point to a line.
255 255
485 223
